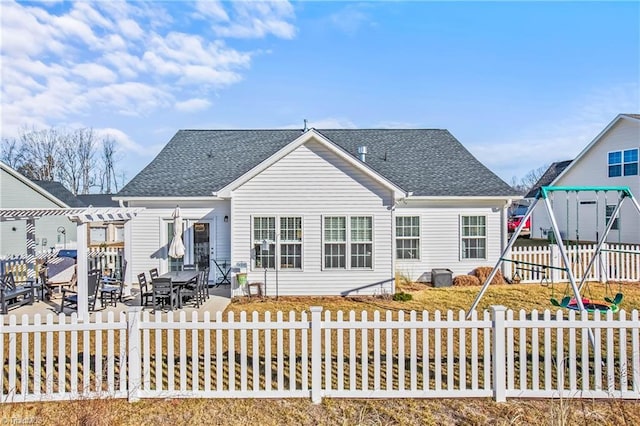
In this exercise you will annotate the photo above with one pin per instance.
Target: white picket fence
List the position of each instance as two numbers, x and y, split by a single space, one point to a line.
315 355
617 262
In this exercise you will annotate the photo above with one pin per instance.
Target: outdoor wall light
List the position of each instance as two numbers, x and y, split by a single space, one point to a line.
226 218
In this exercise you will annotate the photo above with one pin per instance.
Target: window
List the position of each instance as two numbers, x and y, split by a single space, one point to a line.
408 237
623 163
291 242
610 208
357 238
277 238
119 233
335 242
361 242
98 235
474 237
264 229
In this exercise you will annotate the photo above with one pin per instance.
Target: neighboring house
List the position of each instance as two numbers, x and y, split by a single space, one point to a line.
322 212
319 212
17 191
611 159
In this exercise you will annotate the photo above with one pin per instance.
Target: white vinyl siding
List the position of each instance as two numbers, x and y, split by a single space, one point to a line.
441 235
408 237
151 238
313 183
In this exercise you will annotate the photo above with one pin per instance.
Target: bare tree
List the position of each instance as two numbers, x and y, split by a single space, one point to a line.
11 152
40 149
529 180
65 155
108 170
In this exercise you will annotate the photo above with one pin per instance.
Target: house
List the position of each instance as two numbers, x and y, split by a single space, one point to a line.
611 159
318 212
17 191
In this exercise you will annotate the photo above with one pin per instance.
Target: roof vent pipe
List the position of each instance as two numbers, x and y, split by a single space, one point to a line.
362 150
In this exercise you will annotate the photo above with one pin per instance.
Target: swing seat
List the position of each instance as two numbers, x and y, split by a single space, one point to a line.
563 303
615 300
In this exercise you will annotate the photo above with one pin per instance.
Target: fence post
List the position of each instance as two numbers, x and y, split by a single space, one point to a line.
499 354
316 354
554 257
134 369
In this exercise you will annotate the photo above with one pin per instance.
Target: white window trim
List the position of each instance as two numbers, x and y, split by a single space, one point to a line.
622 162
348 243
277 243
486 238
419 238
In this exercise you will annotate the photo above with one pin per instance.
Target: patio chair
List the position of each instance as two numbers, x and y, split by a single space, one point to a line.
193 290
204 284
14 295
70 296
146 295
153 273
111 291
46 291
164 293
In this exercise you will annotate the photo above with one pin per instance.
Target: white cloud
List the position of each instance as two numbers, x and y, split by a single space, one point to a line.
210 9
193 105
257 19
81 58
95 73
351 18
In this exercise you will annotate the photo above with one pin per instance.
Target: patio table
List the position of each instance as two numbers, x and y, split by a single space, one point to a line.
180 279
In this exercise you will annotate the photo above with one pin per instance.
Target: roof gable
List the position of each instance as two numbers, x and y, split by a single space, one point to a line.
600 136
310 135
33 186
554 170
425 162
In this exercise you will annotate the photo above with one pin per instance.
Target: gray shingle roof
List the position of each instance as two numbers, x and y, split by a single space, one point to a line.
98 200
425 162
552 172
59 191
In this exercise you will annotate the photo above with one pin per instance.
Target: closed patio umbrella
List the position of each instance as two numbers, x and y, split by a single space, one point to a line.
176 249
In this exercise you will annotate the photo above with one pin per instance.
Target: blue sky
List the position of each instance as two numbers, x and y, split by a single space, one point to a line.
519 84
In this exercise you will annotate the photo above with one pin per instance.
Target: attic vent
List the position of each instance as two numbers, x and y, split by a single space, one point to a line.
362 151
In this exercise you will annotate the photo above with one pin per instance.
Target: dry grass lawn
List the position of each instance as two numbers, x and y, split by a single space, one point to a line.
349 411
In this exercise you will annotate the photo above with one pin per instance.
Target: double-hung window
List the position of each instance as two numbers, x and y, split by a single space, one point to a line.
291 242
361 242
335 242
473 237
610 208
277 238
408 237
264 239
348 242
623 163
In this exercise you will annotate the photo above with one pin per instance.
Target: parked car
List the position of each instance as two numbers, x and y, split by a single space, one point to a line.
68 253
515 217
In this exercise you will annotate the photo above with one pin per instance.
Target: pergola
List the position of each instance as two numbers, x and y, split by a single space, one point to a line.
81 217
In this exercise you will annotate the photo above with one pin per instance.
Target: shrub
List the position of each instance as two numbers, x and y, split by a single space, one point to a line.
402 297
466 281
482 272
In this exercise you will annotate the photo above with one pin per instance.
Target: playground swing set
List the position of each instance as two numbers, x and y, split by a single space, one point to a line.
577 296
